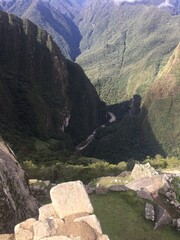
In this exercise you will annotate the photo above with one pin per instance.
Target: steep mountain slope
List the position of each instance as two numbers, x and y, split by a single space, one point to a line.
37 86
54 16
162 104
155 130
124 46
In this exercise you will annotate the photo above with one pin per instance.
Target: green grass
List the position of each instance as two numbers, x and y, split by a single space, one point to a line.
176 184
111 181
122 218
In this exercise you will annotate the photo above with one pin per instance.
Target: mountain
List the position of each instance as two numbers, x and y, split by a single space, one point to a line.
155 129
54 16
38 87
107 53
162 104
124 46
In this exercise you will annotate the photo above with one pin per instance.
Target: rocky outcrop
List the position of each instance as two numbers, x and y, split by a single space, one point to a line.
163 217
149 212
68 217
7 236
147 180
73 192
140 171
16 202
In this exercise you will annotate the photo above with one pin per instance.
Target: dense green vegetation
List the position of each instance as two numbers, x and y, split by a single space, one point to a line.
176 185
124 47
159 162
50 160
120 141
122 217
162 104
41 94
34 105
154 130
62 167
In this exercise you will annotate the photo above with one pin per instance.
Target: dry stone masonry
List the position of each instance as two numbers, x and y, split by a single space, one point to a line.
69 217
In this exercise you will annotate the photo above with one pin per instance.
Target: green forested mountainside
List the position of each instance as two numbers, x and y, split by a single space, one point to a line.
124 49
119 141
162 104
122 46
125 46
54 16
36 84
154 130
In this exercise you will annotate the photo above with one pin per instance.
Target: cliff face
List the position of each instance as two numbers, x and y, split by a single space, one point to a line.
16 203
36 84
90 110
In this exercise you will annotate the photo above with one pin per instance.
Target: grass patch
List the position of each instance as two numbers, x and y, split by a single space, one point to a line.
111 181
176 185
122 218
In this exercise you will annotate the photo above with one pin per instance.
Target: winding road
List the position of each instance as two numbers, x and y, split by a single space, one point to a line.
91 137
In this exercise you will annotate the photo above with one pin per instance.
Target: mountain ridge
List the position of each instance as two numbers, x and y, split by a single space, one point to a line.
35 90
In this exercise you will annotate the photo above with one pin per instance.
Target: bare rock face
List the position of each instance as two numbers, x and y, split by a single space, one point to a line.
16 202
7 237
47 211
145 194
140 171
118 188
147 180
63 195
163 218
92 221
101 190
151 184
67 218
178 224
24 230
149 212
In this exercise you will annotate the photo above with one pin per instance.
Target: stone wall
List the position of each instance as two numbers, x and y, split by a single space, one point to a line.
69 217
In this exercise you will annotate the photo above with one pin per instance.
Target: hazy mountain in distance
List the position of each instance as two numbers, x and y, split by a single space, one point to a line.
170 5
125 45
55 16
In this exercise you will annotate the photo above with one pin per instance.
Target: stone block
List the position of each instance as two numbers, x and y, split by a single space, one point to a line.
24 230
92 221
47 211
70 198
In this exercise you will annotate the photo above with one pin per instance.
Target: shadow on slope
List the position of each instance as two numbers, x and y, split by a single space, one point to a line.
125 139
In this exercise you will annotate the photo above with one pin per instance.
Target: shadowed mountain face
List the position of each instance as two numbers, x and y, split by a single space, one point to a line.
154 130
36 85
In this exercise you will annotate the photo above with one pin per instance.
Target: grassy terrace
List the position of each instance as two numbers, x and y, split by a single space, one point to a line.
122 218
